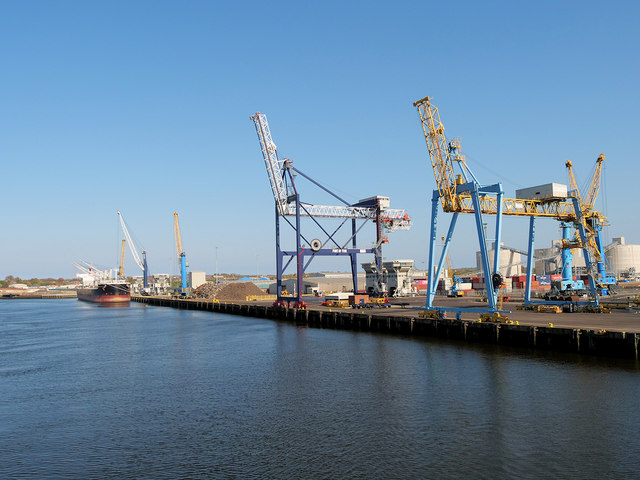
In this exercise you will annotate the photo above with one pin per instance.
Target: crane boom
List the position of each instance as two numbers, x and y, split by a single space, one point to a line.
595 184
132 247
176 231
141 263
573 185
274 165
441 161
392 219
182 257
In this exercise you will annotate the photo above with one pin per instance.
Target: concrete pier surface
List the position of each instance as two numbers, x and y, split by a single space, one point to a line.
616 334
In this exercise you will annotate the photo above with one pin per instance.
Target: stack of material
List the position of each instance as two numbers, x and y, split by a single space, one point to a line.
209 290
237 291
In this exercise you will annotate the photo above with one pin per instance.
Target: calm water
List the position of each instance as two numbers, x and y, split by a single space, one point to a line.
147 392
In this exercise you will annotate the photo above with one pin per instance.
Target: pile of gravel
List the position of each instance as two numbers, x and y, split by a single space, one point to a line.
209 290
236 291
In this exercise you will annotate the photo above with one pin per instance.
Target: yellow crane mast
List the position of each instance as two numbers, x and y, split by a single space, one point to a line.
176 232
589 201
590 217
121 269
182 258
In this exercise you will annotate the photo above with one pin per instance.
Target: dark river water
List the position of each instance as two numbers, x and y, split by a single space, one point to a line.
151 392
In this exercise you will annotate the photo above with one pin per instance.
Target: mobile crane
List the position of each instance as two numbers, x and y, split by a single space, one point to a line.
593 222
142 263
183 290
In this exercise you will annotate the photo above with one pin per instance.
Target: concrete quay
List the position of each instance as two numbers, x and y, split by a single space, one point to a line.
615 335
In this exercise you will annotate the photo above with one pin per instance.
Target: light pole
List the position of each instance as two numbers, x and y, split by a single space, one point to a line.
216 264
257 254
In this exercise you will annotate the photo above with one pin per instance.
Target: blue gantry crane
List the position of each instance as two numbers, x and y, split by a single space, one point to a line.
288 203
458 191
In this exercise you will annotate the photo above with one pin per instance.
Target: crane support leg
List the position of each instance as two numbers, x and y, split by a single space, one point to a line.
498 236
145 271
299 270
445 250
491 296
279 257
527 289
431 281
587 255
354 258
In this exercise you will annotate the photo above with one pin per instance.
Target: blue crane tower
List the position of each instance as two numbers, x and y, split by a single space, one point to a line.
142 263
282 176
182 258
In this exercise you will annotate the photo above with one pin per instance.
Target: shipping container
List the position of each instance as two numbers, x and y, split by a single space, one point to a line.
358 299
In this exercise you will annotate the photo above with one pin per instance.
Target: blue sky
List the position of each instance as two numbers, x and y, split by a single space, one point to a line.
143 107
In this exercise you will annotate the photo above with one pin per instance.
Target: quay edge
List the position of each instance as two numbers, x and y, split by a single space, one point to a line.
577 340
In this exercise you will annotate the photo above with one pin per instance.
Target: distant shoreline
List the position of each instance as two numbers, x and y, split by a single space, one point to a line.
39 296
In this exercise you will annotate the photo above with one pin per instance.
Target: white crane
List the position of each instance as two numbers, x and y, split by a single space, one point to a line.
391 219
142 263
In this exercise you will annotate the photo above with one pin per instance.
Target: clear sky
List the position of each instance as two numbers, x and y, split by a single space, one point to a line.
143 107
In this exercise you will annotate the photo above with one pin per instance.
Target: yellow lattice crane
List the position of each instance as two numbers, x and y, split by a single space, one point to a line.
462 193
182 257
591 221
587 204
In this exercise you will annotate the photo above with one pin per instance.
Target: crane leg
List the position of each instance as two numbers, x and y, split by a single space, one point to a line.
431 281
527 289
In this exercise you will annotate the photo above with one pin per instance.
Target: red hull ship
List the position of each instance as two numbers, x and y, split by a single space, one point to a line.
106 293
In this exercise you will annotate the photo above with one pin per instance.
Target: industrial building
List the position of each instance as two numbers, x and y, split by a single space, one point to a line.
195 279
308 288
510 260
623 258
160 284
336 281
396 277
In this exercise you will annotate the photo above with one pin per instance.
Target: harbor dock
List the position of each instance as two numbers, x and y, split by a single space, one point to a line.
616 334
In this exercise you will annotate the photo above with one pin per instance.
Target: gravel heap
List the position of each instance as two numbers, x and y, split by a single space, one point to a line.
209 290
237 291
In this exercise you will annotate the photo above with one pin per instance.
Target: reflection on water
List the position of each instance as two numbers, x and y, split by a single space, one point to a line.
160 393
115 305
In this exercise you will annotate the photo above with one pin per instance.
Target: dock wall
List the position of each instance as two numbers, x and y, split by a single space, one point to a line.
591 342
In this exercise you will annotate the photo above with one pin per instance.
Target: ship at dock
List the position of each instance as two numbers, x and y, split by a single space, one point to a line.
106 293
101 286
